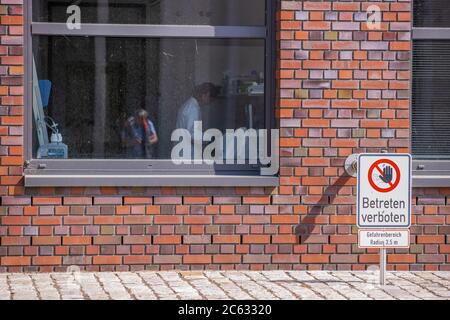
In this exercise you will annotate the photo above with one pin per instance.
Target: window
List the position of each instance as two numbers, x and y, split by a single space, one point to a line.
431 93
106 95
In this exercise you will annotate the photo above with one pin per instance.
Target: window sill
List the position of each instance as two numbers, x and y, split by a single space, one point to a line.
149 181
431 173
419 181
431 181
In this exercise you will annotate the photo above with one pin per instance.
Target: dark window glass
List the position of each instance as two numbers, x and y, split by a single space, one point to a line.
192 12
92 87
432 13
431 99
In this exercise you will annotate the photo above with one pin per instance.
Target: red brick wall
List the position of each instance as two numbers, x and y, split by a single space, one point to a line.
343 89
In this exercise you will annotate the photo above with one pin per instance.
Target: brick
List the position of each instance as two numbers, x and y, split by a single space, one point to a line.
339 26
314 258
197 239
11 220
77 201
431 258
13 201
401 258
47 221
15 241
197 220
227 220
77 240
285 239
136 220
431 201
197 259
343 239
285 258
46 240
431 239
161 219
137 239
108 200
78 220
257 200
107 260
278 199
227 200
227 259
168 200
312 6
167 239
47 261
316 25
256 239
285 219
137 200
102 240
38 201
249 258
137 260
351 220
111 220
15 261
167 259
344 258
223 239
197 200
290 25
433 220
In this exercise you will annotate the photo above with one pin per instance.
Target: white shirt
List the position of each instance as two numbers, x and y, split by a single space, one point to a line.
188 114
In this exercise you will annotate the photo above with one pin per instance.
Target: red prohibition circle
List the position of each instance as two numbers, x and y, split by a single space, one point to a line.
393 185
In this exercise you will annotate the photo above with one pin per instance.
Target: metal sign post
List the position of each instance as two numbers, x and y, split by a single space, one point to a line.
383 203
383 258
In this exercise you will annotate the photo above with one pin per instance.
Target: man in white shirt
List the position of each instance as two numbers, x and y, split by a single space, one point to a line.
190 111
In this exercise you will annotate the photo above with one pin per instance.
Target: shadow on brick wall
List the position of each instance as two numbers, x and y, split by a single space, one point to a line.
307 228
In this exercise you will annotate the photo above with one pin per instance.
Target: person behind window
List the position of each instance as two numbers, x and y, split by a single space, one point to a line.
190 111
139 135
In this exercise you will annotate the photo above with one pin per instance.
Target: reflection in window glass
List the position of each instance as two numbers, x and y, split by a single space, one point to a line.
106 94
195 12
432 13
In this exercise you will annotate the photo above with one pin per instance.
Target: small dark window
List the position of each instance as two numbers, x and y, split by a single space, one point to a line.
431 99
432 13
431 93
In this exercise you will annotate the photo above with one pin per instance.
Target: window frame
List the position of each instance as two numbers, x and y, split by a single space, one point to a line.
427 172
152 172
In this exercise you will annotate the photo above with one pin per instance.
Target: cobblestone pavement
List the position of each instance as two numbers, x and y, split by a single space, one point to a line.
269 285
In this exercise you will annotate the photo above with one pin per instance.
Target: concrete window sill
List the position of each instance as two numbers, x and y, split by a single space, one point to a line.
431 181
149 181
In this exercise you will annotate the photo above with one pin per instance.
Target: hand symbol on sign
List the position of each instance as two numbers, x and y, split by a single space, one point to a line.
387 174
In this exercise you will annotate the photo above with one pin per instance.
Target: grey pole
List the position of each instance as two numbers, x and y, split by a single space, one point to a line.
383 266
383 256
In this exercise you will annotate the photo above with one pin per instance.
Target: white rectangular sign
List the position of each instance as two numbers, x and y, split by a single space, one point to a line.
384 191
391 238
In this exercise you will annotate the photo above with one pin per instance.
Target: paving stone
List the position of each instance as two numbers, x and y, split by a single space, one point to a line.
243 285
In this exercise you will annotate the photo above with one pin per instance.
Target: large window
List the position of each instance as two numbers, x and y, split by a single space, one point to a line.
110 82
431 92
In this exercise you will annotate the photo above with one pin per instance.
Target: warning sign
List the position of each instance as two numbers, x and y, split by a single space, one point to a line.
389 174
392 238
384 191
